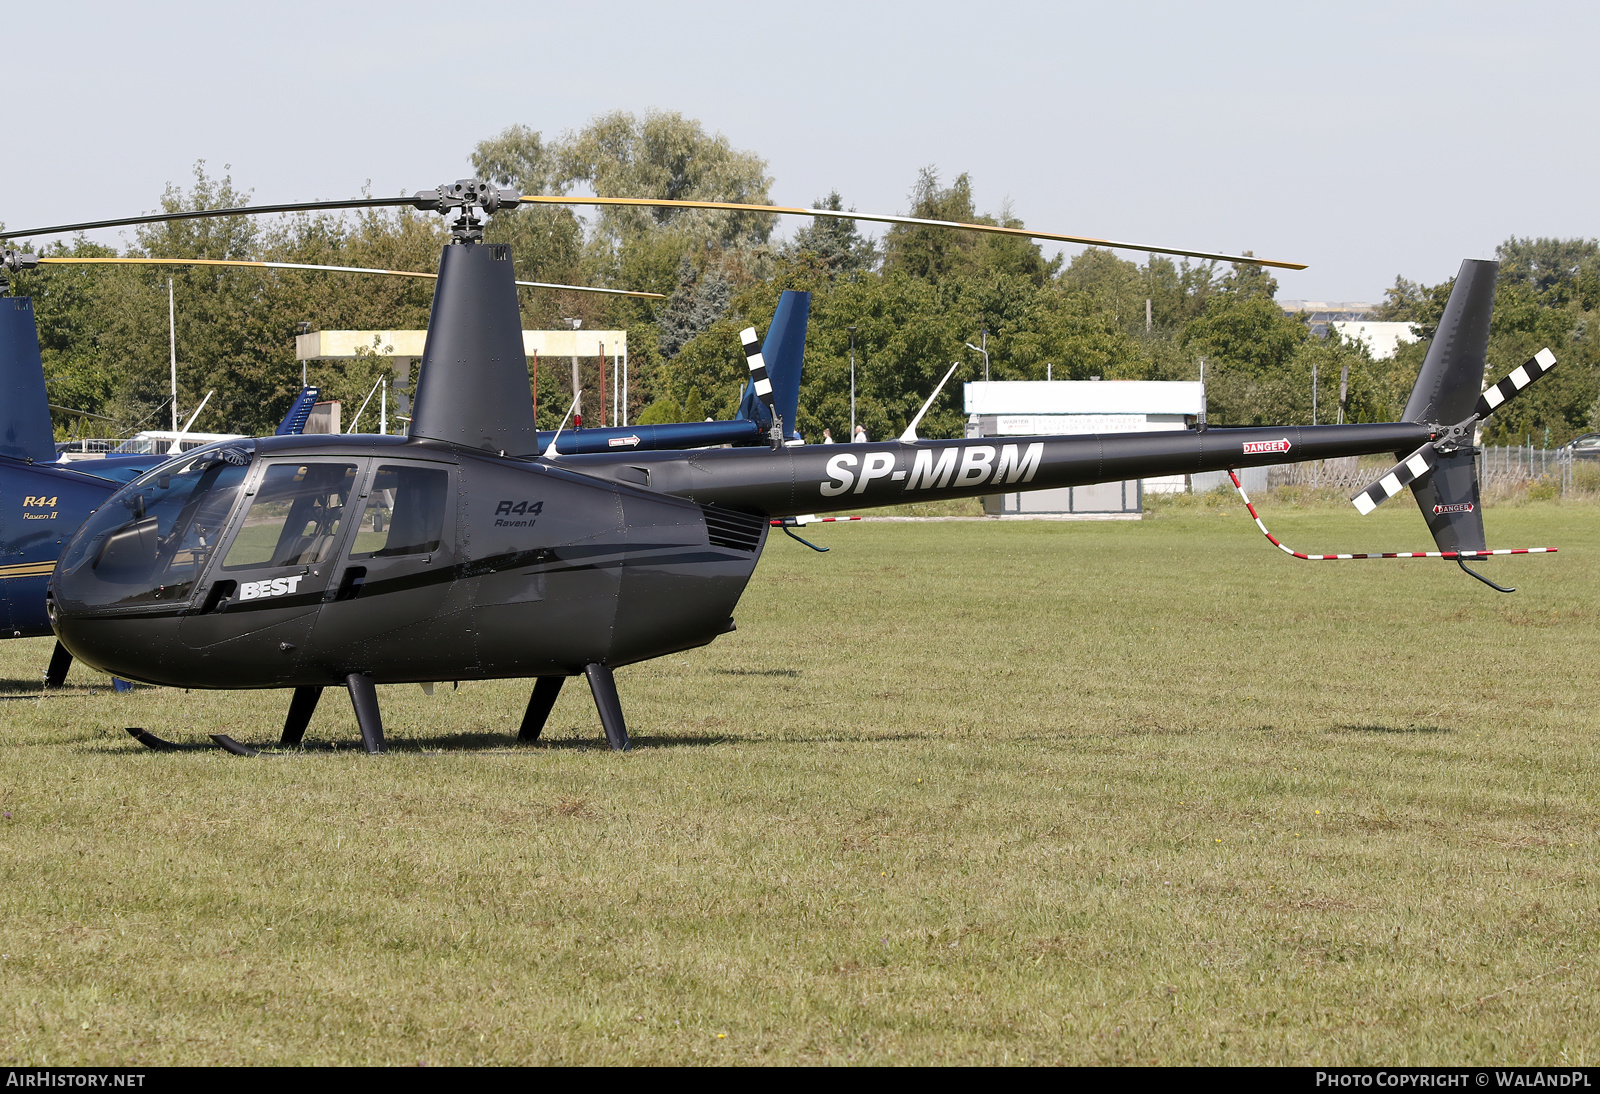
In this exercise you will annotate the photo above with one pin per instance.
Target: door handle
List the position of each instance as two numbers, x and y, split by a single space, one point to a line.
350 584
220 596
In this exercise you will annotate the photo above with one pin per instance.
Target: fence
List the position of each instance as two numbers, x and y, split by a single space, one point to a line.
1500 470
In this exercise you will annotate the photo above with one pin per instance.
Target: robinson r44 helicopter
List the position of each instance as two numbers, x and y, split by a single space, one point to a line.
470 550
56 492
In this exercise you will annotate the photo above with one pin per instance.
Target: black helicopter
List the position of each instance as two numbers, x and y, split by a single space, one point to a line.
465 551
53 495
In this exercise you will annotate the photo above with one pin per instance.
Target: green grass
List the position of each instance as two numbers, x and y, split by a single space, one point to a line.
956 792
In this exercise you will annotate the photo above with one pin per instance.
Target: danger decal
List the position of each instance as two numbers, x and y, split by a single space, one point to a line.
1456 507
1256 448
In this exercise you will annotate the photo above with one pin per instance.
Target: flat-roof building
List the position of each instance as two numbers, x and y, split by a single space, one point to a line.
1020 408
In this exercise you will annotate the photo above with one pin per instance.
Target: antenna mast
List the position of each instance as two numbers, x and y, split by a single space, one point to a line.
172 333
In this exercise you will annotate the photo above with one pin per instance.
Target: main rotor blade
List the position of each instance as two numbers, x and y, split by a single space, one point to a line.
1022 233
206 214
315 266
419 201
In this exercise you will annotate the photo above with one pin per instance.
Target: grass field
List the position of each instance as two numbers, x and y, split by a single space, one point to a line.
954 792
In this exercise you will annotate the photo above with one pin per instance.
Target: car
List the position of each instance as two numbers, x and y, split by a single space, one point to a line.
1585 446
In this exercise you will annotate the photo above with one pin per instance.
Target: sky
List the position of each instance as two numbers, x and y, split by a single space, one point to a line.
1369 140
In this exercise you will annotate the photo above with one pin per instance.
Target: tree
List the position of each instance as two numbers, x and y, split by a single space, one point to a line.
668 156
931 253
1252 346
699 301
1246 280
520 157
835 243
1548 265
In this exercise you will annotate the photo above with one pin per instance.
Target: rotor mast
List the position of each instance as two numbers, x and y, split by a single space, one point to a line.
473 389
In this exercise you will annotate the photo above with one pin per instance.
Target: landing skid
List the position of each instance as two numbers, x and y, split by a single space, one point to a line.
364 698
158 744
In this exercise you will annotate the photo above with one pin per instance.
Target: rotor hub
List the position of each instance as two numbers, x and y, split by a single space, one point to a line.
1454 438
465 199
12 261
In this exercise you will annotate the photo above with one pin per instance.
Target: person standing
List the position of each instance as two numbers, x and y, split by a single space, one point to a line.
827 436
861 434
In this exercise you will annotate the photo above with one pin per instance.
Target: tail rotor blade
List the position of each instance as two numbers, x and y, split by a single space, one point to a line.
1396 479
760 381
1516 383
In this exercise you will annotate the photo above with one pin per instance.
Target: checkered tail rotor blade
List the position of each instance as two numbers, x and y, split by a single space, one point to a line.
760 381
1396 479
1515 384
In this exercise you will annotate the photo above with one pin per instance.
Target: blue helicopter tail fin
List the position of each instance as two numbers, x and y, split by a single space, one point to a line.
784 353
294 422
25 431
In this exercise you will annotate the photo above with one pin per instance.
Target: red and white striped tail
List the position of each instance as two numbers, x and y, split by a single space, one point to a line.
1286 549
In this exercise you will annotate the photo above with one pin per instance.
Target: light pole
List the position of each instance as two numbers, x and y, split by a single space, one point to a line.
302 327
983 349
577 391
852 383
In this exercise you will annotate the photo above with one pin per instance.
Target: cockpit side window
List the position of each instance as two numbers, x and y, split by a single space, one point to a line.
151 540
404 513
295 516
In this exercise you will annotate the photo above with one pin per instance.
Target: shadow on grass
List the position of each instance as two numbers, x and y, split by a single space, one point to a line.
479 742
1403 730
507 742
756 672
453 742
11 690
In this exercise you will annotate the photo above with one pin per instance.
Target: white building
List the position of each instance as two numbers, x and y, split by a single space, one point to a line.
1382 339
1021 408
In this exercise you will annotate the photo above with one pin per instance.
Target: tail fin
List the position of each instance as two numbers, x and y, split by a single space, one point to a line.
1449 502
1446 392
784 353
25 430
294 422
1452 374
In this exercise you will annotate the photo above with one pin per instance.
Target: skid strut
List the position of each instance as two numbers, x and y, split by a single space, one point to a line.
540 703
301 707
364 697
60 662
604 686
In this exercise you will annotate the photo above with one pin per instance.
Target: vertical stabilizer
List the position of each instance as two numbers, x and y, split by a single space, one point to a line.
25 432
294 422
784 353
474 388
1446 393
1452 374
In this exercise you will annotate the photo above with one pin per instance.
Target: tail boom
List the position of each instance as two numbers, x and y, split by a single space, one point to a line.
836 478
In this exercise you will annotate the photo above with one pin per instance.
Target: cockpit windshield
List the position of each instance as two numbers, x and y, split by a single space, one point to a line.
150 541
